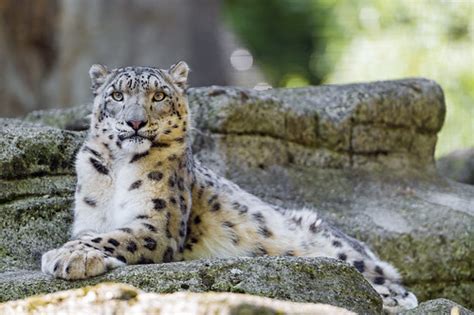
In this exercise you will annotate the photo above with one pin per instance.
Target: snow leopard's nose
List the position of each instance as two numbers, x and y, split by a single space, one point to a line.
136 124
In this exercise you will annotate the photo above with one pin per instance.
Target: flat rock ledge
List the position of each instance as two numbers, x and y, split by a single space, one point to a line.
120 299
315 280
384 124
361 155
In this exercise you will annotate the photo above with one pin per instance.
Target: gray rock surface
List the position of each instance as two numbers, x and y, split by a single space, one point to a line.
438 306
317 280
120 299
361 155
74 118
458 166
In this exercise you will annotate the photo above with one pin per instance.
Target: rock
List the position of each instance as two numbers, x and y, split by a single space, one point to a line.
458 166
438 306
317 280
36 190
33 150
389 124
75 118
111 298
361 155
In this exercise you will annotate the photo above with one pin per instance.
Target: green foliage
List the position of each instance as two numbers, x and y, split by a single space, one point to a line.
331 41
281 36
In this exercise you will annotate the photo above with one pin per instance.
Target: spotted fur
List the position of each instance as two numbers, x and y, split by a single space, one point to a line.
143 198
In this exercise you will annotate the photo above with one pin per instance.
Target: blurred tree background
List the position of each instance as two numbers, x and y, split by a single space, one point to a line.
296 43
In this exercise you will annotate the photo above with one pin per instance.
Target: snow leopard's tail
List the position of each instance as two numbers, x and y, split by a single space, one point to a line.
387 282
318 238
382 276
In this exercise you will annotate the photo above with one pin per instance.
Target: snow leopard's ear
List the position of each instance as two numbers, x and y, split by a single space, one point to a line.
179 74
98 74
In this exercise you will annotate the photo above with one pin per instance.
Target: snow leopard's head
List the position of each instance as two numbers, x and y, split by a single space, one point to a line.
139 107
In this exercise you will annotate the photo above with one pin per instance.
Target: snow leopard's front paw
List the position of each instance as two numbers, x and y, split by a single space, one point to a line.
75 260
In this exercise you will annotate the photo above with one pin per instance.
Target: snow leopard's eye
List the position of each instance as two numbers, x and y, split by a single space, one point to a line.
117 96
158 96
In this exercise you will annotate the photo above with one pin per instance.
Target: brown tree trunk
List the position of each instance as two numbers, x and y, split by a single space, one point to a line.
27 52
47 46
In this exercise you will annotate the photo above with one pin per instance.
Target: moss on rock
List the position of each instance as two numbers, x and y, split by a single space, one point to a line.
316 280
33 150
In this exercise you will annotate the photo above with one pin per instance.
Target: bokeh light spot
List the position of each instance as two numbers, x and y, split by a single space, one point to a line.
241 59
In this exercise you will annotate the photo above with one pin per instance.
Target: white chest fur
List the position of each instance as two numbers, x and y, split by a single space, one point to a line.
115 204
125 204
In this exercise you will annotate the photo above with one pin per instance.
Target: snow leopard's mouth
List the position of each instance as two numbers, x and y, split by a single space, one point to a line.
135 137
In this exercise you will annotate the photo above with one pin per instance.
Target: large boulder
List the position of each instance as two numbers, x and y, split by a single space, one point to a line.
122 299
36 190
361 155
317 280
